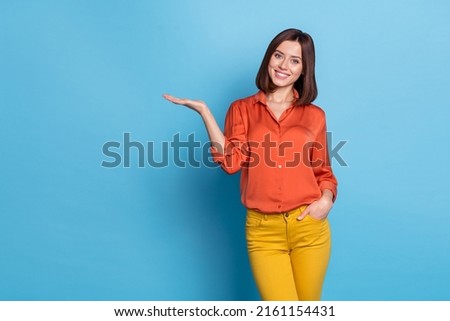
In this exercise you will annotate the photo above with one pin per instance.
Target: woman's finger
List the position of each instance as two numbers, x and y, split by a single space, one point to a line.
173 99
196 105
304 213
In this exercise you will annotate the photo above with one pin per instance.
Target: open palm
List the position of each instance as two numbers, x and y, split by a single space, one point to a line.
196 105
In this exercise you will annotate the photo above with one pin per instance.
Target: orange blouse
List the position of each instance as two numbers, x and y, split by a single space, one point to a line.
284 162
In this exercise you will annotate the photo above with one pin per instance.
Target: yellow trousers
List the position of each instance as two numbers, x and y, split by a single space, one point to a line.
289 258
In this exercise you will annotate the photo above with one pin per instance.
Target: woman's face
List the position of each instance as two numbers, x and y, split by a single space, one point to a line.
285 65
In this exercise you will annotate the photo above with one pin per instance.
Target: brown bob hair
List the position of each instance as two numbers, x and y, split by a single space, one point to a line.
306 84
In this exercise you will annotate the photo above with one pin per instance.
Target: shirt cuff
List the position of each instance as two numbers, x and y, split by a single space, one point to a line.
217 157
330 186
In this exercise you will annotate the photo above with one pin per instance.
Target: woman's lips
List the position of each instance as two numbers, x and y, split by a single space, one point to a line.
281 75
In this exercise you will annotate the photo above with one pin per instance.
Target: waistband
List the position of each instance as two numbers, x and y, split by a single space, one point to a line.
295 211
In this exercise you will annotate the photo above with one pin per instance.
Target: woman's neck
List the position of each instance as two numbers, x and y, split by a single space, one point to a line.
281 95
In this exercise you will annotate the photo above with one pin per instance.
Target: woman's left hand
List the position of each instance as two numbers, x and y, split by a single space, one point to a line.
319 209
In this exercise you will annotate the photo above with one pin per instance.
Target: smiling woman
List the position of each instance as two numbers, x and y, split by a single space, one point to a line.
294 51
285 64
285 68
288 202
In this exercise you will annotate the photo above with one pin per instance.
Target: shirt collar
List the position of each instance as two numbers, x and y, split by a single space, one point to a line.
261 96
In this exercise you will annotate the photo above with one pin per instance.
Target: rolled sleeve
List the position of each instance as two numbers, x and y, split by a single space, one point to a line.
323 172
233 156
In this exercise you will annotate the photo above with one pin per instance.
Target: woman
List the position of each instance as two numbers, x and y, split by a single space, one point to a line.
277 137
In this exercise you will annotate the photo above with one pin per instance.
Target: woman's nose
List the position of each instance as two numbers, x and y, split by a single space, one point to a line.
283 64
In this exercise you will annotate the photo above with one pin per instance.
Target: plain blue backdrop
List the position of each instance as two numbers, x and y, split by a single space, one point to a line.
77 74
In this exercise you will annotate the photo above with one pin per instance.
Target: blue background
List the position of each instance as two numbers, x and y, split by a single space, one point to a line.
77 74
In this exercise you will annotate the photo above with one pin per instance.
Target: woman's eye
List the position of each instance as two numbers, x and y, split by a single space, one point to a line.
277 55
295 61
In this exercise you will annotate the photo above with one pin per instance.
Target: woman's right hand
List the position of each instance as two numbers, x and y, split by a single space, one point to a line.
197 105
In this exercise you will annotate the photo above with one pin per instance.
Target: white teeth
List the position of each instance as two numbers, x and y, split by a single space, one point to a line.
281 75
